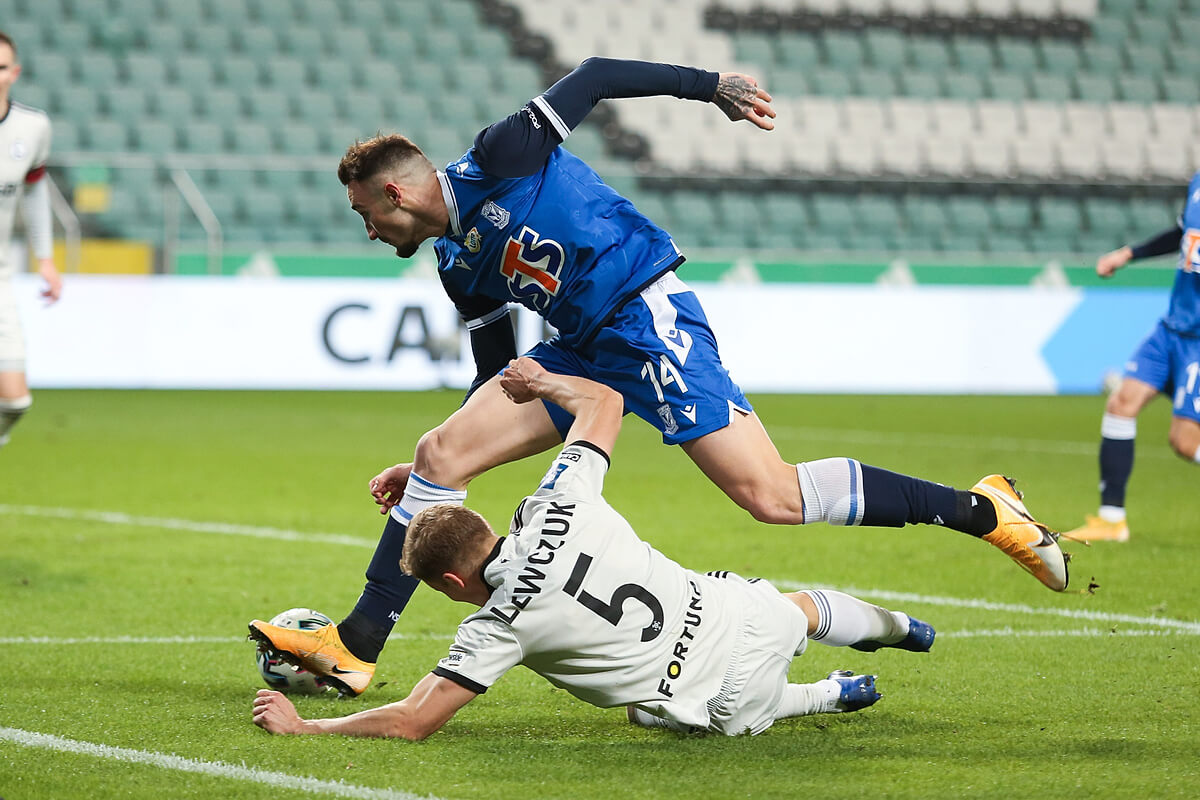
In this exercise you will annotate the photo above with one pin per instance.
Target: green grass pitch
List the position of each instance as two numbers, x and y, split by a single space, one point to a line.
124 632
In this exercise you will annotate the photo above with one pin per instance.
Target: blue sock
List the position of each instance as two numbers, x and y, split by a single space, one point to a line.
893 500
365 629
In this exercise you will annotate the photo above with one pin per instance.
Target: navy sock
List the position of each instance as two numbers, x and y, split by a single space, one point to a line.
893 500
365 629
1116 464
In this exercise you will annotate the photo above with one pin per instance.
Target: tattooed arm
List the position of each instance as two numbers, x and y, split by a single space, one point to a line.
520 144
740 98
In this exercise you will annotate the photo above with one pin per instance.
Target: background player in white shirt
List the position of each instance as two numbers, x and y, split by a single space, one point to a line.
24 149
573 594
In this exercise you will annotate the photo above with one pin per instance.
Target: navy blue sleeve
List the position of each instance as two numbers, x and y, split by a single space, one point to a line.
1165 242
493 341
519 144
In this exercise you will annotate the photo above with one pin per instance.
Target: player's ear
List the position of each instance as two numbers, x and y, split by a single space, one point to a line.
394 193
453 580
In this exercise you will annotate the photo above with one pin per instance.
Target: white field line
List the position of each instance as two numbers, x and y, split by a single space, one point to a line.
1008 608
193 526
955 442
1085 633
217 769
261 532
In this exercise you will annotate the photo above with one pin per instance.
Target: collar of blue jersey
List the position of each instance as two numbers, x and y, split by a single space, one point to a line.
487 562
451 203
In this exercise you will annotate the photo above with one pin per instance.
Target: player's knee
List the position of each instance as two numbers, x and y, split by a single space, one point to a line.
438 457
1184 441
768 504
1121 404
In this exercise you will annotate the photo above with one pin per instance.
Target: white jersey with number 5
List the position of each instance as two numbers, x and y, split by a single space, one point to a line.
581 600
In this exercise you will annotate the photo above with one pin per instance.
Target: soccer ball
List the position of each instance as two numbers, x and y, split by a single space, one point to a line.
282 676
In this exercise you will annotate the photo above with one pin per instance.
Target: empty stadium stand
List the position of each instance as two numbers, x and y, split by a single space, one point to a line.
905 126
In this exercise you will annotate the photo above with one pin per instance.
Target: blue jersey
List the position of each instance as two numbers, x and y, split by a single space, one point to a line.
559 241
1183 314
532 224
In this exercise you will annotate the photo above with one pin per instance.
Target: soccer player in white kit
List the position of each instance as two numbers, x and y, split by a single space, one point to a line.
573 594
24 149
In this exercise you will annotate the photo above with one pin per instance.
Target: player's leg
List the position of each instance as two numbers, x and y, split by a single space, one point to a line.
14 393
741 459
660 353
1147 373
487 431
840 620
1184 436
14 400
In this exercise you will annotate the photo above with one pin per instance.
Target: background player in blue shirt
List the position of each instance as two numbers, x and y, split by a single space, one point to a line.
520 219
1168 361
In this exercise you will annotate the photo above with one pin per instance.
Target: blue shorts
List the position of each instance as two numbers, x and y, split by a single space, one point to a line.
1170 362
660 354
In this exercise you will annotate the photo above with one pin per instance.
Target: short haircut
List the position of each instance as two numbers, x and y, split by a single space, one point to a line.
440 539
6 39
365 160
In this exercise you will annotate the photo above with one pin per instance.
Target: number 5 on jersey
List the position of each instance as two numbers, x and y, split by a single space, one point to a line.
532 265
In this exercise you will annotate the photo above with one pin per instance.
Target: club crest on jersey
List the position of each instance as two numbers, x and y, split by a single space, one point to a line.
670 426
533 266
473 241
17 150
495 214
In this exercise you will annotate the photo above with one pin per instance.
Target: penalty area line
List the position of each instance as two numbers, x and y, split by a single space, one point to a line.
216 769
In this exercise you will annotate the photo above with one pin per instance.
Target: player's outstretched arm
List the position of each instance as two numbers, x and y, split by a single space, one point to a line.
740 97
597 408
1112 261
430 705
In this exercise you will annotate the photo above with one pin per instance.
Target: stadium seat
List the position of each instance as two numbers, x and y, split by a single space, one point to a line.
1094 88
1010 213
946 156
1175 89
125 102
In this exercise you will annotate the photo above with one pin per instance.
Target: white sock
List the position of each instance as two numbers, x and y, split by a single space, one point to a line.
802 699
843 620
1114 426
832 491
420 494
1112 513
10 412
1196 455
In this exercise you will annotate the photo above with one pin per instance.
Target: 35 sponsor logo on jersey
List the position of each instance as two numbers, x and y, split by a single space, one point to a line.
533 266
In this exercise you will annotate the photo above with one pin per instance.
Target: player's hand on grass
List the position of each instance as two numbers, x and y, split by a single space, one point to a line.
388 486
274 713
1109 263
53 280
740 97
520 379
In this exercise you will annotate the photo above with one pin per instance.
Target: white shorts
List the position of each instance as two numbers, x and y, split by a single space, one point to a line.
12 341
772 632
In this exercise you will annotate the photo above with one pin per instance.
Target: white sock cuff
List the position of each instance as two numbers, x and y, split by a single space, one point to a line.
420 494
832 490
1112 513
1196 455
16 403
1117 427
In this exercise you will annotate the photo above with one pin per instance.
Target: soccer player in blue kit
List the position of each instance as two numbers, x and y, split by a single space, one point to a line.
1168 361
520 219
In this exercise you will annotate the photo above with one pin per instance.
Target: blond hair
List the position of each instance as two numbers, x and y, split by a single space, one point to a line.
441 539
